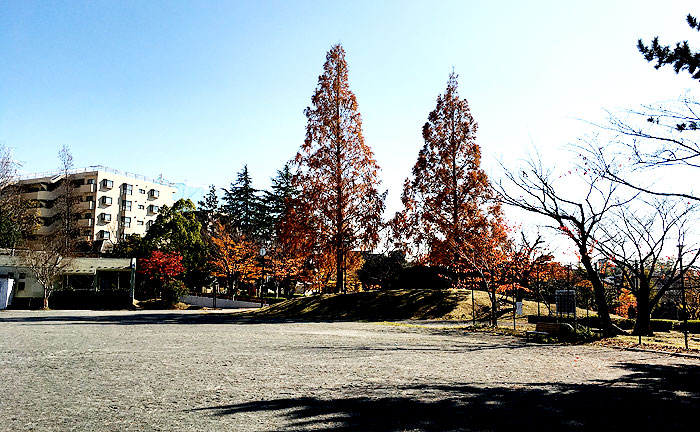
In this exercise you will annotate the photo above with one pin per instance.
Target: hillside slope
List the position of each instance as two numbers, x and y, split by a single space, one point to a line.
388 305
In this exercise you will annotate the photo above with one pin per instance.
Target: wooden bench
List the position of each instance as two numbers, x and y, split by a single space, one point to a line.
544 329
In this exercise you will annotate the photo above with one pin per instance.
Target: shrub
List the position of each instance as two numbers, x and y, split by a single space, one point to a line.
661 325
693 326
624 323
424 277
172 291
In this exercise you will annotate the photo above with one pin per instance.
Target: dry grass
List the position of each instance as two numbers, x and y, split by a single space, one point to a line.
449 305
672 339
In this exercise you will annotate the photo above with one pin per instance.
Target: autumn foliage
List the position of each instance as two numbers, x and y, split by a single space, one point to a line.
337 173
234 257
162 266
449 216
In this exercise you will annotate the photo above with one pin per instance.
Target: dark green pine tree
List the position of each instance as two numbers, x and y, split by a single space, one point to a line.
278 200
210 203
681 57
243 207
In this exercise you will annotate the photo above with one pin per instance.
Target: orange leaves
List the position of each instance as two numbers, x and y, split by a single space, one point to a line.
448 210
626 300
336 170
234 257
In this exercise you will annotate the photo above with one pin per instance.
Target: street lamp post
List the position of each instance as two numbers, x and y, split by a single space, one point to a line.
262 281
685 307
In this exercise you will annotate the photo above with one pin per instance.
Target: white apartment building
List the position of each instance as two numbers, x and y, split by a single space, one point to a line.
112 204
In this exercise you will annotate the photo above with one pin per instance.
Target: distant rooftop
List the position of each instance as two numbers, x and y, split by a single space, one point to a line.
159 180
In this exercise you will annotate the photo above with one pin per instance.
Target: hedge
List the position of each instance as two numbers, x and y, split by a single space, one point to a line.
693 326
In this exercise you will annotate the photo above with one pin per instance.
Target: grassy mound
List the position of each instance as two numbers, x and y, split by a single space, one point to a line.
381 305
453 305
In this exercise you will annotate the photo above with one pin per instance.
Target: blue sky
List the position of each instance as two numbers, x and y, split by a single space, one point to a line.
193 90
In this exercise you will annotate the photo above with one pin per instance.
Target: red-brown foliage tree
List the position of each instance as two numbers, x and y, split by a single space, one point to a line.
161 266
449 214
164 268
336 170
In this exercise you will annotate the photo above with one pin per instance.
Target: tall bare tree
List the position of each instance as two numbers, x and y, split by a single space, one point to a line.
650 142
50 254
576 216
642 244
17 217
336 170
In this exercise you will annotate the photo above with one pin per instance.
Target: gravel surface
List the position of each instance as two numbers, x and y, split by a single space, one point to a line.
193 370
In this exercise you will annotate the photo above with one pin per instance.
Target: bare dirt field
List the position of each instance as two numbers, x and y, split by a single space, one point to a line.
194 370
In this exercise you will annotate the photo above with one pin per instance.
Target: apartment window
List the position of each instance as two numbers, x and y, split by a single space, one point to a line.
153 208
104 235
126 222
20 286
89 198
106 200
91 181
127 189
139 222
153 193
88 215
149 224
107 184
141 207
87 233
105 217
142 191
126 205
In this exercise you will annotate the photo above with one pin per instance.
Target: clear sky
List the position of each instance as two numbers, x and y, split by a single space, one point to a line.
193 90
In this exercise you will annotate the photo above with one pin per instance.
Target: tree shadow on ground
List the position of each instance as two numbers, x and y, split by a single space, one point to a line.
141 318
648 397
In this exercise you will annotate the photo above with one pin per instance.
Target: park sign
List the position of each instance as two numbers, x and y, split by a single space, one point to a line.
565 301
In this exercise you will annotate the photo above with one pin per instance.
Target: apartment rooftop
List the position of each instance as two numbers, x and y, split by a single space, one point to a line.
47 174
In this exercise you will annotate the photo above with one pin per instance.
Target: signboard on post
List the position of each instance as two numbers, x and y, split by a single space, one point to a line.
566 302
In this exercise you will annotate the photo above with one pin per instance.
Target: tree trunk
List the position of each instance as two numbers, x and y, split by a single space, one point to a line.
599 290
339 271
642 326
494 303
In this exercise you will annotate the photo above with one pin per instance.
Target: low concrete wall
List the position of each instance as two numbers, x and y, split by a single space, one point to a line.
220 303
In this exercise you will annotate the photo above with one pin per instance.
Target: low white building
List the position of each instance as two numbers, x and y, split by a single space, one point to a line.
84 282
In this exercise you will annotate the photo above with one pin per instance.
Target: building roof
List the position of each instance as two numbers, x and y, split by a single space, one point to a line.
78 265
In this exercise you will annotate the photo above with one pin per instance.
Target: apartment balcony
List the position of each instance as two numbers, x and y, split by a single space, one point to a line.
85 223
45 230
44 212
87 188
86 205
39 195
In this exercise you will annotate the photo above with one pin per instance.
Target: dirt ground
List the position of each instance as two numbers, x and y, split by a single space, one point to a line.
206 370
